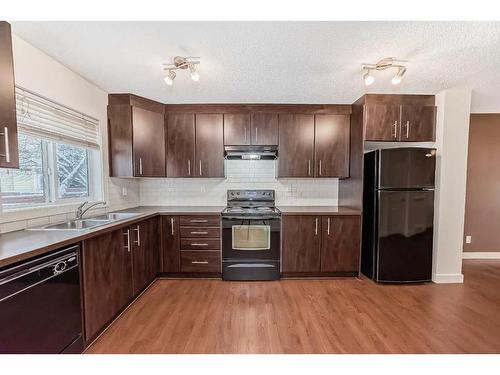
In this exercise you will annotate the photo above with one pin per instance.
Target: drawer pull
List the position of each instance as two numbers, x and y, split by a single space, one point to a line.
199 244
199 262
199 232
199 221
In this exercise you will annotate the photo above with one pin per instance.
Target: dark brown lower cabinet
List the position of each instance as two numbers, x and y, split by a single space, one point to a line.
116 266
301 237
145 253
170 244
340 243
107 279
320 245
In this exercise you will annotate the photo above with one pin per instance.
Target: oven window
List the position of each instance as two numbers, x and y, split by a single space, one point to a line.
251 237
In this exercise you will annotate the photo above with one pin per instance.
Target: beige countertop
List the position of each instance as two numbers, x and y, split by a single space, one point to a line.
20 245
23 244
318 210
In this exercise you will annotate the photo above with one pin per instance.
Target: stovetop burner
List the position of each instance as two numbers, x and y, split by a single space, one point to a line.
251 203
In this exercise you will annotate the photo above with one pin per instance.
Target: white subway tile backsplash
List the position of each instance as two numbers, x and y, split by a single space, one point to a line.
240 174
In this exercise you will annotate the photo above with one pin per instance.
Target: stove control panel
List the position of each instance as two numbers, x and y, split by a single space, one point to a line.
249 195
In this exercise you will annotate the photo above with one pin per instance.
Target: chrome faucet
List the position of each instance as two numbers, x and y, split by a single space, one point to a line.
80 211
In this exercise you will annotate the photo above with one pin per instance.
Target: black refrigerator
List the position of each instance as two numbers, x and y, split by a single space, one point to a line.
398 214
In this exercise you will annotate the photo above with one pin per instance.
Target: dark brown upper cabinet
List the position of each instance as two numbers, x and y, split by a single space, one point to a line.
237 129
301 236
418 123
136 135
399 118
296 145
180 144
209 146
331 146
340 243
264 130
9 154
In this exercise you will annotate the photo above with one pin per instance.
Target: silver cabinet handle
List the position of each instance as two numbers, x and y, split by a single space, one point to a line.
198 221
5 134
199 232
200 167
245 135
256 134
172 225
199 262
189 167
127 233
395 125
199 244
309 167
316 229
138 230
328 226
407 129
320 167
140 166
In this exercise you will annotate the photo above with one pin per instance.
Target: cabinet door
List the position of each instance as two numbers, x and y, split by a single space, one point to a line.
296 145
236 129
180 145
382 122
209 146
107 279
264 129
301 238
418 123
331 146
9 154
340 248
145 253
170 243
148 143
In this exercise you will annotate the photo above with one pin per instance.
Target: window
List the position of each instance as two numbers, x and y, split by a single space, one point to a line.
59 157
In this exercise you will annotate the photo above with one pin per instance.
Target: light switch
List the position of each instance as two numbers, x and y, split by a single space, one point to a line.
468 239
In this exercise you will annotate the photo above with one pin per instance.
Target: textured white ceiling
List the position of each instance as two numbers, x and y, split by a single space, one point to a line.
279 62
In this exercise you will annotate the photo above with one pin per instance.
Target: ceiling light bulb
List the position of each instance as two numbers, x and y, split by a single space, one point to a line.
195 76
396 80
169 78
368 78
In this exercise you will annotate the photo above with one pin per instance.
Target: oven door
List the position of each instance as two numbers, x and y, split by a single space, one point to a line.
250 239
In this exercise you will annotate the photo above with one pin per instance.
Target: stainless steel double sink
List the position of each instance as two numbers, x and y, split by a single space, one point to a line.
91 222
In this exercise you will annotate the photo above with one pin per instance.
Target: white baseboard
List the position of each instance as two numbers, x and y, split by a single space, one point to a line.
448 278
480 255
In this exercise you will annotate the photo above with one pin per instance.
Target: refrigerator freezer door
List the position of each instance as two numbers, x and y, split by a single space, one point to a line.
405 233
407 168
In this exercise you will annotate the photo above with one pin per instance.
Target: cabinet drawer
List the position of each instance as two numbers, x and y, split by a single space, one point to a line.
197 232
200 244
200 261
202 221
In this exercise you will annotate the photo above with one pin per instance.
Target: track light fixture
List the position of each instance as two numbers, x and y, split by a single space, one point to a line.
181 63
386 63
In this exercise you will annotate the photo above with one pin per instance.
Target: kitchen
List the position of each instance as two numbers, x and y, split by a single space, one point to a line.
218 225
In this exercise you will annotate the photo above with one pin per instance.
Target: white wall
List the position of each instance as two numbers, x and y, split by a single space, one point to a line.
452 137
240 174
42 74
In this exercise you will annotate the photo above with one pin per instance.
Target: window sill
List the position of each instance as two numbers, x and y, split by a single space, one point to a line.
27 213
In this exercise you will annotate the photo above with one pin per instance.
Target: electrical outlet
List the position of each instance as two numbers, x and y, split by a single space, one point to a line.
468 239
124 191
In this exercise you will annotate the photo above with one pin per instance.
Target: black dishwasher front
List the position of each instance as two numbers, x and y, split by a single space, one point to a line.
40 305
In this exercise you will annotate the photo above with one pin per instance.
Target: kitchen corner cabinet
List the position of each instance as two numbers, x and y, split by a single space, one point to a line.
256 128
314 145
195 146
9 155
136 135
170 244
320 245
400 118
116 266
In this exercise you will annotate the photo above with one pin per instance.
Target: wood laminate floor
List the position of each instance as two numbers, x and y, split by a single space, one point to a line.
313 316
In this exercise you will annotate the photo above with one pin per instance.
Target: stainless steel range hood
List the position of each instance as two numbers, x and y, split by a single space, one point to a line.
251 152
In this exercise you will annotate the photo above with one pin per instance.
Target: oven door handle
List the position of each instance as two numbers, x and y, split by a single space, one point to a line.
250 217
